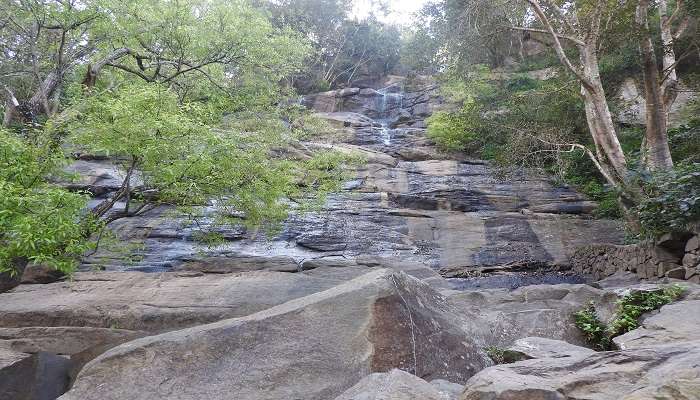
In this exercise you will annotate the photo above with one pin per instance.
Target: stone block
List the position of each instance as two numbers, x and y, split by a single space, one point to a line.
676 273
693 244
690 272
642 271
665 267
652 269
691 260
661 254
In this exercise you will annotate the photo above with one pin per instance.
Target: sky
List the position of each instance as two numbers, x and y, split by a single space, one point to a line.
399 10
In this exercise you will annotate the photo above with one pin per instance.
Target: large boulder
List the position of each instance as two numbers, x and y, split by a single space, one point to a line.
310 348
393 385
540 310
537 347
662 372
677 322
40 376
151 302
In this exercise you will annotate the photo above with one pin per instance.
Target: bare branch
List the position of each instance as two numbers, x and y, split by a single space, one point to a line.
558 48
577 41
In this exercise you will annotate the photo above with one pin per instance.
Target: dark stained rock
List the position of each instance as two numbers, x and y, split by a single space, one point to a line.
11 279
311 348
41 274
40 376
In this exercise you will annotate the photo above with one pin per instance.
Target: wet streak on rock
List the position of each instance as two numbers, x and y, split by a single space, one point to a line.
404 335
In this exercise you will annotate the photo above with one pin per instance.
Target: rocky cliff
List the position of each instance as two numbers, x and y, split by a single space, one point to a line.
408 201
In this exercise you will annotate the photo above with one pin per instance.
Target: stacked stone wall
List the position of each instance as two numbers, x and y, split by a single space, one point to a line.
674 256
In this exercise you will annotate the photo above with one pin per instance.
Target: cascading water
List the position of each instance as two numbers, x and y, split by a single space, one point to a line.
388 103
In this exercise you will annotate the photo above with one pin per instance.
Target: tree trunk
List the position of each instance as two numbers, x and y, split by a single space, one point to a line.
669 85
598 114
658 153
94 69
10 280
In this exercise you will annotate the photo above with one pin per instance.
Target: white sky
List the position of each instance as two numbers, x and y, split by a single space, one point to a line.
399 10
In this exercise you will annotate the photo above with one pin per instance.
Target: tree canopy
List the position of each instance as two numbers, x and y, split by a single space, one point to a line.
188 98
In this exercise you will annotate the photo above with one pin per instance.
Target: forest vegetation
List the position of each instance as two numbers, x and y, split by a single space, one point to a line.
196 100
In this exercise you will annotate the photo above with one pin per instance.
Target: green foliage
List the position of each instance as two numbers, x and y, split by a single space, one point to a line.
39 222
629 309
685 140
188 163
606 197
463 129
671 201
423 45
222 53
632 306
455 130
594 330
345 48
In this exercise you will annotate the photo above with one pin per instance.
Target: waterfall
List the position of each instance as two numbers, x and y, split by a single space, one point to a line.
386 103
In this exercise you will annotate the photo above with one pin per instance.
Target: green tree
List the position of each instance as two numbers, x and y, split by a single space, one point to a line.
186 96
173 157
39 221
344 49
196 47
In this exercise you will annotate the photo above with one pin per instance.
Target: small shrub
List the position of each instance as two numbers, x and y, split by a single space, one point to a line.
502 356
594 330
629 309
605 197
634 305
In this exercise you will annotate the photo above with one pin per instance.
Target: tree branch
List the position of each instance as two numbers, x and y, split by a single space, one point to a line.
558 48
577 41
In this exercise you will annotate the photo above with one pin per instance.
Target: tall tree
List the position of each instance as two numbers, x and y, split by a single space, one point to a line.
183 44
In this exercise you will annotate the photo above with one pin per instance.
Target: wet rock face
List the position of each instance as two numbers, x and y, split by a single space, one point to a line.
409 201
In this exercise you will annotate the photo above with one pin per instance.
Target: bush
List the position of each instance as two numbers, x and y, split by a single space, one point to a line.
629 309
594 330
606 197
671 202
503 356
455 130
